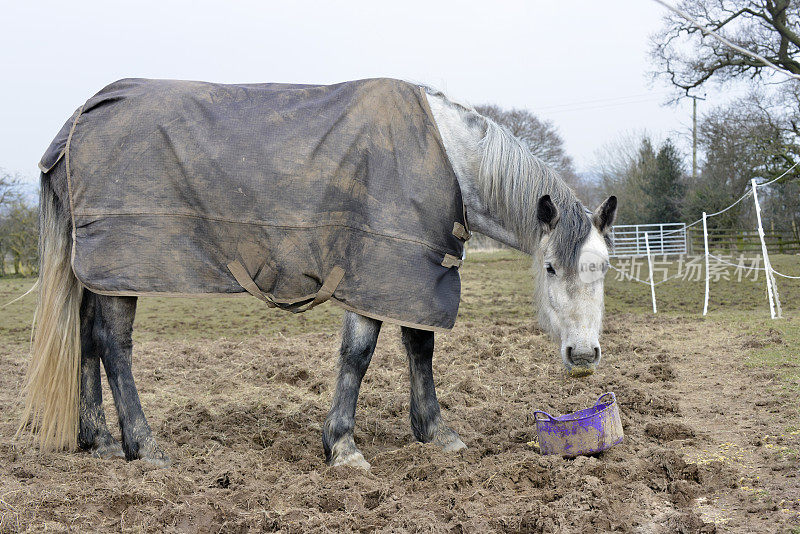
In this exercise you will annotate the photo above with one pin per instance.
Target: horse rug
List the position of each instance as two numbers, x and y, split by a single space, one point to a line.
294 193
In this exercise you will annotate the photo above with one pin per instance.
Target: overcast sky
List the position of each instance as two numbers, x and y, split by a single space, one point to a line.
581 64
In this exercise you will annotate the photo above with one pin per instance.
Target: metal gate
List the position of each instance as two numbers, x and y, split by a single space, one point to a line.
664 238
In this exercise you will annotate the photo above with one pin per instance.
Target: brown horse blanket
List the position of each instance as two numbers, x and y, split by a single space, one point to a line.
294 193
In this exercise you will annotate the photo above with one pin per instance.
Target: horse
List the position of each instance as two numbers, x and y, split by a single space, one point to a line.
508 194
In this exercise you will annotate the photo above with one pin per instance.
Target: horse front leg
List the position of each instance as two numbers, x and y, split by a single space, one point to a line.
426 418
113 335
93 432
359 336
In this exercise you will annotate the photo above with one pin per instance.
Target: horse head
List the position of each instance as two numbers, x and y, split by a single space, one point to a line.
570 272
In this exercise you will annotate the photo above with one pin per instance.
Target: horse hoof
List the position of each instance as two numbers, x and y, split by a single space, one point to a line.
354 459
109 451
152 455
448 439
454 445
158 460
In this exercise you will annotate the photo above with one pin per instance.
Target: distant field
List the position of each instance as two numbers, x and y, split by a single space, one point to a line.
236 394
496 285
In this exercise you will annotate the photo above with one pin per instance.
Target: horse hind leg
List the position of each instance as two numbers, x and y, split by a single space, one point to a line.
113 331
426 419
93 432
359 336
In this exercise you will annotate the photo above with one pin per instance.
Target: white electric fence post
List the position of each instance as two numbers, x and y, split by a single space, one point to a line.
705 244
650 269
771 287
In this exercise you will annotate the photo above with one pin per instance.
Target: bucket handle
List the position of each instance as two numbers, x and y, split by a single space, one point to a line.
545 416
604 395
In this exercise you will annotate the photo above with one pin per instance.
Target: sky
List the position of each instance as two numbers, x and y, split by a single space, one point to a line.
582 65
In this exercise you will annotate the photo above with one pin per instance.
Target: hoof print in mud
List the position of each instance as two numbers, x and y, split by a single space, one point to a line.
669 430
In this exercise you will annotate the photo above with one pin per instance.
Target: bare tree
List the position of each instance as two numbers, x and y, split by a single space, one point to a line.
767 27
741 142
623 167
9 188
542 137
21 236
9 194
790 100
544 142
754 137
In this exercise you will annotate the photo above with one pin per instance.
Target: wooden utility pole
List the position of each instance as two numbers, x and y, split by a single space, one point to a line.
694 134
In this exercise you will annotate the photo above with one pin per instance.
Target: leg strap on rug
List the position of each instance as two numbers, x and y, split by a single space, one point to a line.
461 232
295 306
451 261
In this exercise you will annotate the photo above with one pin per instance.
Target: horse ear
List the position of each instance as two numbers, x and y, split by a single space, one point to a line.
603 217
547 213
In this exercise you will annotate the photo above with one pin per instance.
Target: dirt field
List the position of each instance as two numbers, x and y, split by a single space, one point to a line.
236 395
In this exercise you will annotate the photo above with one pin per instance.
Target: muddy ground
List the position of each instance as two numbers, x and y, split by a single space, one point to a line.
709 408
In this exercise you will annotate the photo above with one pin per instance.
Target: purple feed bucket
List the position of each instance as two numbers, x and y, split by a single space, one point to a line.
588 431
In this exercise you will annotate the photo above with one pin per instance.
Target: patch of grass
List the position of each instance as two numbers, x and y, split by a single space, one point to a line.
16 319
685 294
234 317
496 287
779 352
790 454
178 318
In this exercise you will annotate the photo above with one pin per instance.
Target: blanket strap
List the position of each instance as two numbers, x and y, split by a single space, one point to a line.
451 261
325 292
461 232
243 278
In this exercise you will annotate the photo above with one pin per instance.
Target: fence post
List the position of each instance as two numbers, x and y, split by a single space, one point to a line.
771 287
650 269
705 244
637 240
685 240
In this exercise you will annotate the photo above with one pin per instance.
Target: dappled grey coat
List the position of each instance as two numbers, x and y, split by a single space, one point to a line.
294 193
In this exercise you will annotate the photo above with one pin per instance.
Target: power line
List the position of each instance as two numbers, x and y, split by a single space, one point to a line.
603 106
650 95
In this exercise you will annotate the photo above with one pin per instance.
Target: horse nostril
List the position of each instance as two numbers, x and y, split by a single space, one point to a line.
569 355
596 354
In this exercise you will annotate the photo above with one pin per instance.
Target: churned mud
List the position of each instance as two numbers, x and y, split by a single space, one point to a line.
236 395
241 421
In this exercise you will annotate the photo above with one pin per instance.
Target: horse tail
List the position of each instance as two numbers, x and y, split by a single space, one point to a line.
52 382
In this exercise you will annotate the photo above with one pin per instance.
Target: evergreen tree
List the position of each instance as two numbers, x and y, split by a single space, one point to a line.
664 186
641 174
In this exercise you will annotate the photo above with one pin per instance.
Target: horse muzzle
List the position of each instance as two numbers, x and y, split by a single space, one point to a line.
581 360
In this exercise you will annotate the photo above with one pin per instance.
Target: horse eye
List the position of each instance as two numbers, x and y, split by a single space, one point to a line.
550 270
